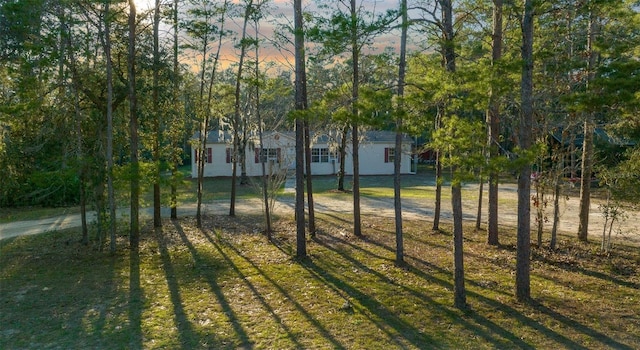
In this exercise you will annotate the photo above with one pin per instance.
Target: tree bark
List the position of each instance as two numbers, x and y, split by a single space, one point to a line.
343 157
587 145
174 162
523 245
479 212
309 177
438 194
301 105
237 142
82 167
459 293
493 129
157 218
110 187
265 191
460 299
355 137
556 209
397 165
134 235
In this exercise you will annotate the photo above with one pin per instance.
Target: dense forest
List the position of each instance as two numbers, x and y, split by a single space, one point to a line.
101 98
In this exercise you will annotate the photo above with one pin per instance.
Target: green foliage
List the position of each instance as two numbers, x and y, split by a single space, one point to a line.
527 157
337 31
623 180
461 142
376 108
21 22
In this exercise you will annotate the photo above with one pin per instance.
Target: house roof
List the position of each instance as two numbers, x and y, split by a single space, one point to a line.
369 136
385 137
214 136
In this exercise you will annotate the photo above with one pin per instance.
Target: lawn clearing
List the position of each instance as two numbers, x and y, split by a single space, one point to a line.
226 288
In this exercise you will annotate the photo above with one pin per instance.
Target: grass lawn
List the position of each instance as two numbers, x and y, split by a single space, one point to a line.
219 189
225 287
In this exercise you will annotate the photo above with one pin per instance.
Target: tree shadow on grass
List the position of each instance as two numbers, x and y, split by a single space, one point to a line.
483 327
536 325
313 321
186 333
240 332
333 216
59 293
376 312
576 268
597 336
135 300
494 328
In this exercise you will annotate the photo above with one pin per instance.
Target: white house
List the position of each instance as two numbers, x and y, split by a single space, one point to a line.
377 152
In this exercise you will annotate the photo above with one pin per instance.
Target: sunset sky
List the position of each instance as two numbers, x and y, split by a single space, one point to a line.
281 12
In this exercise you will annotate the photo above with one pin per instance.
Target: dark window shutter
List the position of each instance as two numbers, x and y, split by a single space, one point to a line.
209 155
279 154
228 155
257 155
386 155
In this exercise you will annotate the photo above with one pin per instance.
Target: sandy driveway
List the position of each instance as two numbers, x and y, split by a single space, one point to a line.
422 209
413 209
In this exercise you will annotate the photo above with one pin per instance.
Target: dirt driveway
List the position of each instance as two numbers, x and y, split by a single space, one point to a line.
422 209
413 209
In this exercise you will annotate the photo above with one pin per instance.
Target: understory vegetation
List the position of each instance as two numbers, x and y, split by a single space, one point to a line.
226 287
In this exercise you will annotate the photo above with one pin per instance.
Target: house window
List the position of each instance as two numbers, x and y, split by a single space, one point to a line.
334 156
267 155
389 154
208 155
319 155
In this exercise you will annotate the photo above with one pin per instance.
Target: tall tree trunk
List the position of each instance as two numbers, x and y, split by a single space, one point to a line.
309 177
200 152
301 105
134 235
438 194
397 166
343 157
236 115
204 129
82 172
265 180
479 212
587 144
493 125
460 299
110 188
242 153
355 137
459 292
82 167
589 128
176 86
265 191
556 208
585 180
157 218
539 211
201 149
523 245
